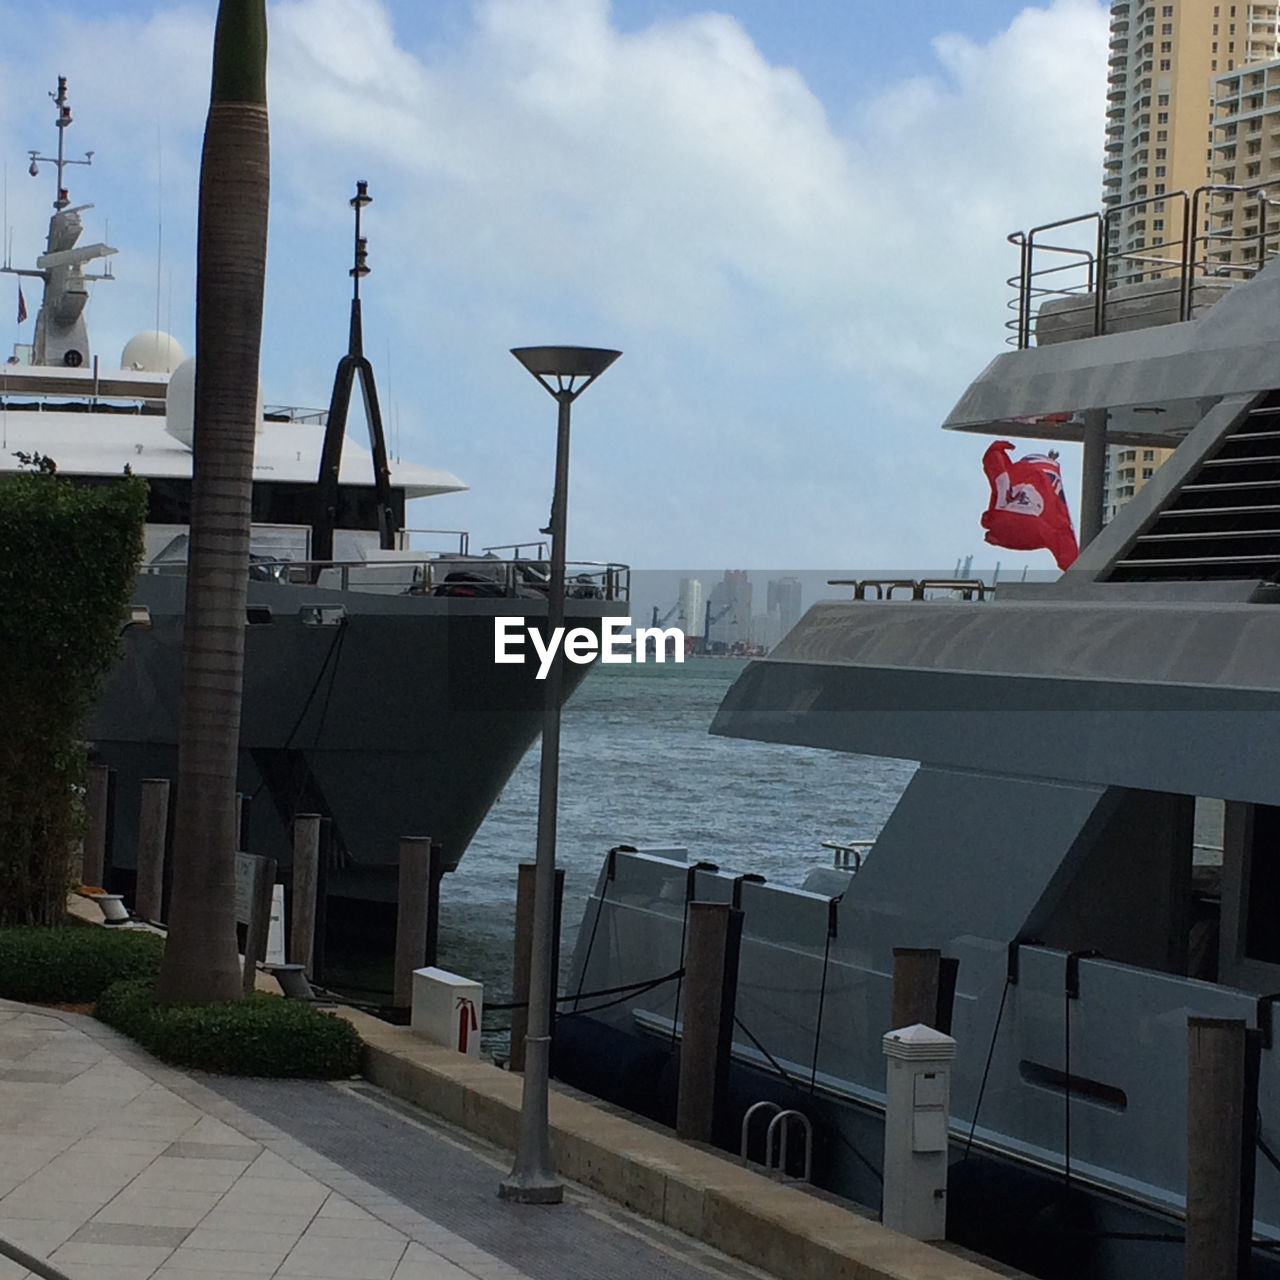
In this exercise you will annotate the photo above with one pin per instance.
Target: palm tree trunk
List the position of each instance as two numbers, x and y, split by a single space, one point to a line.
201 963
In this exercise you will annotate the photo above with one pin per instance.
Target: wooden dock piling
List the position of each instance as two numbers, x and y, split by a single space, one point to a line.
97 799
915 986
302 906
523 957
153 831
412 912
1222 1104
710 996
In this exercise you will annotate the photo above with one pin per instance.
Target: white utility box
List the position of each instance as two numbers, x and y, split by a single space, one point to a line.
447 1010
917 1120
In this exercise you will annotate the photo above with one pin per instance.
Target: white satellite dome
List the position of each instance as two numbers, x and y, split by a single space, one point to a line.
180 404
152 352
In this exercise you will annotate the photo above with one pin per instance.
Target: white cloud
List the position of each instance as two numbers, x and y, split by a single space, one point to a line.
799 302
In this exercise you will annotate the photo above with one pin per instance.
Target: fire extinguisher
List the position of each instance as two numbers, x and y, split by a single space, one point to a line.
466 1021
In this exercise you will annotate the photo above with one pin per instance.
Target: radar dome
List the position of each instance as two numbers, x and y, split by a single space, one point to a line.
180 405
152 352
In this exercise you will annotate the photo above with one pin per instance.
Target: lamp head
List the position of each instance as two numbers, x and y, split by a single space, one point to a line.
565 364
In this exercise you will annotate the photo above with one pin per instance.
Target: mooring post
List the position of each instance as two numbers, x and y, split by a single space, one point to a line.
411 916
435 873
915 986
243 804
1222 1102
97 797
153 830
322 901
306 874
523 956
710 996
259 923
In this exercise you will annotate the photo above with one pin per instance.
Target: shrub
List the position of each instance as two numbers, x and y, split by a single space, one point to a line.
65 964
259 1035
68 556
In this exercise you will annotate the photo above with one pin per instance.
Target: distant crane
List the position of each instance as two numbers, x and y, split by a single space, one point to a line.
709 620
662 622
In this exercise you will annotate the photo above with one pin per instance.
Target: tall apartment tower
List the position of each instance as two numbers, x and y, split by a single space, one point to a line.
1159 104
1159 141
689 614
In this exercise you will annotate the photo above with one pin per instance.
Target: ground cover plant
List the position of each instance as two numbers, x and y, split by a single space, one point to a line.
258 1035
73 963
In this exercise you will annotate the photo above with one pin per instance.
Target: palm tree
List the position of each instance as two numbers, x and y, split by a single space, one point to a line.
200 960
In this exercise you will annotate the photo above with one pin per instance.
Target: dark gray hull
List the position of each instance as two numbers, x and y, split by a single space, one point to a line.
395 723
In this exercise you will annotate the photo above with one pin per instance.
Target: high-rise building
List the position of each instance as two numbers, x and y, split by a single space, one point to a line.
784 598
729 611
1162 57
1245 152
689 615
1171 128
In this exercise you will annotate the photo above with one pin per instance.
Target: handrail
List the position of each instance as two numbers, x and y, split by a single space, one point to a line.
746 1124
517 548
784 1119
463 536
885 587
843 850
1183 259
610 579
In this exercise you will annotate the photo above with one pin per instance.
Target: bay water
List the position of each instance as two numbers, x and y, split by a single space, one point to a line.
638 767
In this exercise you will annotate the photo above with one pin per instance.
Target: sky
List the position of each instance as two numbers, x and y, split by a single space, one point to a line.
790 218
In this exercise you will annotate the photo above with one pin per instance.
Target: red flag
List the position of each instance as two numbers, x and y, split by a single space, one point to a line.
1028 508
22 306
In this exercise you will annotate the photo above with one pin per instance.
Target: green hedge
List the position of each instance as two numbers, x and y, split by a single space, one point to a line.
68 556
259 1035
67 964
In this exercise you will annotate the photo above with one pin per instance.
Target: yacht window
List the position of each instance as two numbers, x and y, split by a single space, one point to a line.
1262 929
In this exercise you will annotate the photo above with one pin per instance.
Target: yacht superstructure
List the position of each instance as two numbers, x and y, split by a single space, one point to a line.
1076 742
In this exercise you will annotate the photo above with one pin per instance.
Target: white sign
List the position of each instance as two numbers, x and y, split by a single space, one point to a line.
582 645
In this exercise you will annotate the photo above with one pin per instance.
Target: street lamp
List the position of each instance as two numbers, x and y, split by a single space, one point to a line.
532 1179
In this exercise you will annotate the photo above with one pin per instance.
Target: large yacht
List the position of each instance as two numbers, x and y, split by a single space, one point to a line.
1092 834
371 696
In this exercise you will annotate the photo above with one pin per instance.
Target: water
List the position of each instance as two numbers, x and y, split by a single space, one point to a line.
638 767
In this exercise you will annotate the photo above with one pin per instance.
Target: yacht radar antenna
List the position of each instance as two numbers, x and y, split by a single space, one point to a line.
61 337
340 402
63 121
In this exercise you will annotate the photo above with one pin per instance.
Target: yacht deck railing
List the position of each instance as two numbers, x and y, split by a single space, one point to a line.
1095 287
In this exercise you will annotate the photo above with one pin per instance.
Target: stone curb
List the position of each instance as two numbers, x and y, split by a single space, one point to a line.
743 1213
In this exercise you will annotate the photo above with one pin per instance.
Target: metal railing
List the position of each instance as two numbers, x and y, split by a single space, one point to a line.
518 550
463 536
449 576
916 588
779 1123
1083 278
847 855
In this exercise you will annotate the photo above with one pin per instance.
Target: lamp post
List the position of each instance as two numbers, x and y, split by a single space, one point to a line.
566 372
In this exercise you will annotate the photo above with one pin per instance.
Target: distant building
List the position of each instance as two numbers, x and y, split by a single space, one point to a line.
784 599
1244 152
689 610
1179 73
729 612
766 629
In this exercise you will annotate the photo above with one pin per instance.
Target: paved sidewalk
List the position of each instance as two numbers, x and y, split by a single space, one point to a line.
116 1167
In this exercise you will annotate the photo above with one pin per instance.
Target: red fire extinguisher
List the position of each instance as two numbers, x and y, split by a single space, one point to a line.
466 1021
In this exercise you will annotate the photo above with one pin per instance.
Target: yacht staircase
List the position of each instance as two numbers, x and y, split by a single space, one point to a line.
1223 520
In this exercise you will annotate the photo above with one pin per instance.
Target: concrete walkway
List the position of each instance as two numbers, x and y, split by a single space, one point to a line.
115 1167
